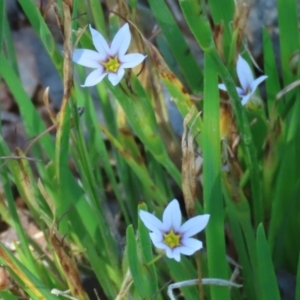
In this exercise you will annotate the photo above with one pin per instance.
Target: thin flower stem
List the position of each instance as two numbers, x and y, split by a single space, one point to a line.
154 260
199 271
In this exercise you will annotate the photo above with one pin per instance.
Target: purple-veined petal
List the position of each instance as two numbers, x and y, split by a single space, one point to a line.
121 41
257 82
190 245
240 92
222 87
94 77
151 222
87 58
131 60
194 225
115 78
172 216
244 73
100 44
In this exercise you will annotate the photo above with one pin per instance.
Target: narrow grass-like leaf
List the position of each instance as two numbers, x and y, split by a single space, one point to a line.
147 257
7 295
140 115
98 15
2 16
267 277
240 223
30 283
223 14
184 270
29 259
180 95
38 23
213 199
32 121
139 169
289 35
178 45
135 264
9 45
271 69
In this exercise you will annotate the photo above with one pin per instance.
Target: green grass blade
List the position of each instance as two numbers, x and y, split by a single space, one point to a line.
223 14
32 121
38 23
213 199
141 117
147 256
267 277
30 283
177 43
289 35
271 68
137 269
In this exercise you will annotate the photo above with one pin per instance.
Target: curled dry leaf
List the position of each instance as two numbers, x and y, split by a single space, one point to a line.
189 185
168 77
241 14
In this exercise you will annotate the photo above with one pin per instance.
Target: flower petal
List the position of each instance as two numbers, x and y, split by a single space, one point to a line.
157 240
169 252
222 87
176 253
115 78
151 222
257 82
100 44
131 60
244 73
87 58
94 77
240 92
194 225
121 41
246 98
172 216
190 246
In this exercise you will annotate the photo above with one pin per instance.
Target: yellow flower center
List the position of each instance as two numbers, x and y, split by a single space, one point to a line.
172 239
112 65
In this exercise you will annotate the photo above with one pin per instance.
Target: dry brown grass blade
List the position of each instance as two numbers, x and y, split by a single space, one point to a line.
287 89
188 169
218 38
242 10
68 264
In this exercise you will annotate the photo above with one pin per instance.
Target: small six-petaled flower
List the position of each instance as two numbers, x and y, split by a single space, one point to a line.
247 81
170 235
108 60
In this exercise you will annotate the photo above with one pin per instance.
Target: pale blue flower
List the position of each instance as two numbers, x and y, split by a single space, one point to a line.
170 235
110 59
247 81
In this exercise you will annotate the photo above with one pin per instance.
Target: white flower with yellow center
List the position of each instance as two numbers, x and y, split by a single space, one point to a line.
110 59
247 81
170 235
